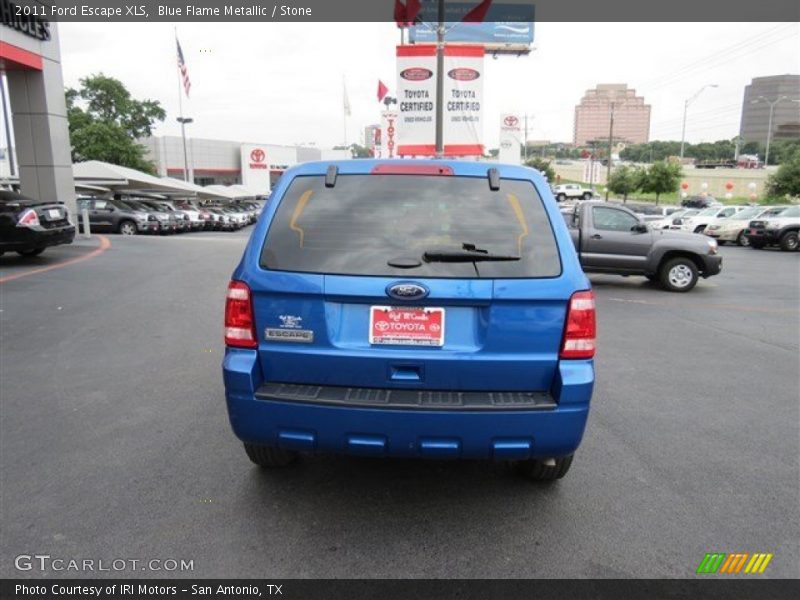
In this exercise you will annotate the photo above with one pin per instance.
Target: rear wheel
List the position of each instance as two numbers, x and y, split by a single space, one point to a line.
127 228
678 274
561 197
789 241
587 195
32 252
545 469
742 239
268 457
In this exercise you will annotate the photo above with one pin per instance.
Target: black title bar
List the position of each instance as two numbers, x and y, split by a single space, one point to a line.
333 11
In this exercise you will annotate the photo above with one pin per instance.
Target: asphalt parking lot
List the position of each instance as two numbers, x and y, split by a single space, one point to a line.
114 441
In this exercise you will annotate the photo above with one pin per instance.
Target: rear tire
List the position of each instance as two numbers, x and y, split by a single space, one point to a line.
536 469
561 197
789 241
587 195
33 252
127 228
678 274
268 457
742 239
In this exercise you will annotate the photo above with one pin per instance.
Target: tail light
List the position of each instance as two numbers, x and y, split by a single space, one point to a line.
28 219
581 328
240 326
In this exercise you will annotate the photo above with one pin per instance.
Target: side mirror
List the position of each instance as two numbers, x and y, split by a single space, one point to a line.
639 228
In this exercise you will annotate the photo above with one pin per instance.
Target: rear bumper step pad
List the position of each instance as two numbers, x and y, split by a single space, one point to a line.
415 399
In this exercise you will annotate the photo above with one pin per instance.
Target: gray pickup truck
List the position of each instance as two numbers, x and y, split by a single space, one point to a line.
610 238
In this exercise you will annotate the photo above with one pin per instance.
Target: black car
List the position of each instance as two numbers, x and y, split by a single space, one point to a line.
700 202
117 216
28 226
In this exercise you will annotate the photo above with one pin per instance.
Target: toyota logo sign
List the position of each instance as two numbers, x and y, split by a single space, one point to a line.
257 155
511 121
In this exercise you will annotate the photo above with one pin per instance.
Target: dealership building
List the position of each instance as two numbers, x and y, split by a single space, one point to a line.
257 166
30 61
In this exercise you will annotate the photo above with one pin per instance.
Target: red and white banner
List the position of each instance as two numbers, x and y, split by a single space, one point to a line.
463 100
388 140
510 139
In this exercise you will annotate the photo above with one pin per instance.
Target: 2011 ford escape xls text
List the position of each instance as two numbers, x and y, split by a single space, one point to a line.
411 309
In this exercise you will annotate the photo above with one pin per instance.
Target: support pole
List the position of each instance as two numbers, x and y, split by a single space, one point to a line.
440 83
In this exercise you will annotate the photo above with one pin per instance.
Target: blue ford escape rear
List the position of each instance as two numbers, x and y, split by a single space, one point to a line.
411 309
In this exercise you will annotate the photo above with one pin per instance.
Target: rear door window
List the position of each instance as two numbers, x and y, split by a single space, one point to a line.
365 221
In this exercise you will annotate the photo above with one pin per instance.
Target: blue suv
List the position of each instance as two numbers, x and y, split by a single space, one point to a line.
411 309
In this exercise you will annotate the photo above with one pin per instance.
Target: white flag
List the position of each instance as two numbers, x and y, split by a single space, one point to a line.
346 100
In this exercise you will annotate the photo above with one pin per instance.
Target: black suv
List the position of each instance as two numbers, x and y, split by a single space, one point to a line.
116 216
700 202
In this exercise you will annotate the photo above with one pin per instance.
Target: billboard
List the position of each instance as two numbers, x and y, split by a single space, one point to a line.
507 27
510 139
463 100
255 168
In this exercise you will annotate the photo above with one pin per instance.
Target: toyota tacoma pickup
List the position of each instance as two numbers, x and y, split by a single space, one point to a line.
778 230
611 239
410 309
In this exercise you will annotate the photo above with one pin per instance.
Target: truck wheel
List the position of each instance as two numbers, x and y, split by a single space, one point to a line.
127 228
587 195
32 252
268 457
561 197
742 239
539 470
678 274
789 241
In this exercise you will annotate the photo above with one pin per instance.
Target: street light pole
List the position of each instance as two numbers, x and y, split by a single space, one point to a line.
184 121
440 83
769 125
686 107
610 144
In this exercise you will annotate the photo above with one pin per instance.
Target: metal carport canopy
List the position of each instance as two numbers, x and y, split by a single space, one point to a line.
120 179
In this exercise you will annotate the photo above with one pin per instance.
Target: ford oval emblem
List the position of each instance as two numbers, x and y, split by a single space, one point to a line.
407 290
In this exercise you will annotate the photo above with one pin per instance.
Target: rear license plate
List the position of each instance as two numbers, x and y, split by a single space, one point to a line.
404 326
54 214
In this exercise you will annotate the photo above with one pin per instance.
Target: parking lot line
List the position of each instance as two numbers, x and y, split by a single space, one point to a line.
758 309
105 244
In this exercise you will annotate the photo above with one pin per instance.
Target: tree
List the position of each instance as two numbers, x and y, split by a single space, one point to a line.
786 180
661 177
624 180
543 166
105 121
359 151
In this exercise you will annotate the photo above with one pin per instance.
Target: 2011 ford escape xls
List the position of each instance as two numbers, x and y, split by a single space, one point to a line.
411 309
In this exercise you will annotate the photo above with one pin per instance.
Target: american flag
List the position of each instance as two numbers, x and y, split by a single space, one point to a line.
187 84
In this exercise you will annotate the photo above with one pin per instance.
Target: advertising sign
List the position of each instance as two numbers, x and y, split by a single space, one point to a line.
510 139
506 25
463 100
388 131
255 168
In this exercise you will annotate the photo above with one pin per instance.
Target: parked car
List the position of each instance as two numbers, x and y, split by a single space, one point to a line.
700 202
612 239
29 226
708 216
669 220
454 320
167 221
567 191
735 228
778 230
109 215
224 221
677 221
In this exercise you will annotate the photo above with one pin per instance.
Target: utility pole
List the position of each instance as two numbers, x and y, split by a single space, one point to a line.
610 146
440 83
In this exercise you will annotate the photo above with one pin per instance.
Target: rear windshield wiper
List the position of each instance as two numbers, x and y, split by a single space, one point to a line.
467 253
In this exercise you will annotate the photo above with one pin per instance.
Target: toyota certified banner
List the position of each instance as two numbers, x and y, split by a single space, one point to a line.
463 100
510 139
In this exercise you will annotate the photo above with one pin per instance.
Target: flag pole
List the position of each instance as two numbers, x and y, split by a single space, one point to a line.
345 102
181 120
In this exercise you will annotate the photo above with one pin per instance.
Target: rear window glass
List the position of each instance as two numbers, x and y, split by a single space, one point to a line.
366 221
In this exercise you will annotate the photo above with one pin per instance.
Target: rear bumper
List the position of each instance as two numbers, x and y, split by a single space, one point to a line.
25 238
401 432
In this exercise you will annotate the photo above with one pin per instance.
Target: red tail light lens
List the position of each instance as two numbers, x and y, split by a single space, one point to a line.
581 329
28 219
240 326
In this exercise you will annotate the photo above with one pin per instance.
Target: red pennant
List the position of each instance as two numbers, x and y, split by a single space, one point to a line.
382 90
477 14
